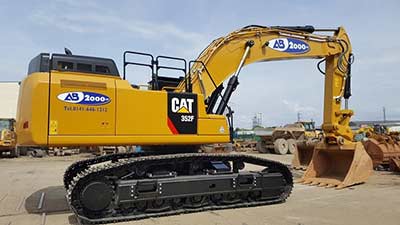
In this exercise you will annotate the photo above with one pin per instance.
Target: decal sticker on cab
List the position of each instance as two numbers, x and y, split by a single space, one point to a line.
84 98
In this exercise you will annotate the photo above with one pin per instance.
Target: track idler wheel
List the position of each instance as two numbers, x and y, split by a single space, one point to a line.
97 196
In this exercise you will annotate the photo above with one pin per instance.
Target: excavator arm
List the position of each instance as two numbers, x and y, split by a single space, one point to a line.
337 160
226 56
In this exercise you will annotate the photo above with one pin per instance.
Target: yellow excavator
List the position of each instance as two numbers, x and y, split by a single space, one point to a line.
71 100
8 137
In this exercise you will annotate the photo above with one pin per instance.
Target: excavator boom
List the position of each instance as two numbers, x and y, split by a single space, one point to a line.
225 55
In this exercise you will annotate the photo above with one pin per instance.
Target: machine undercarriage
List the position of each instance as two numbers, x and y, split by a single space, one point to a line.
134 186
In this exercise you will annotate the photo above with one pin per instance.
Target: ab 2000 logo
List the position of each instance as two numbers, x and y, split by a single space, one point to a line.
84 98
289 45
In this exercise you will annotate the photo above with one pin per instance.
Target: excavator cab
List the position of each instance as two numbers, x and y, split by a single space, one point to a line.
380 129
309 126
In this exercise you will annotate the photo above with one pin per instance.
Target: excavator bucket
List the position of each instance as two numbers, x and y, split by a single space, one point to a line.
394 164
384 151
338 166
303 155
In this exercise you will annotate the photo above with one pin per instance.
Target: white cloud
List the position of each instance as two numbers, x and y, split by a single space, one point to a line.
384 57
101 21
305 112
296 107
78 3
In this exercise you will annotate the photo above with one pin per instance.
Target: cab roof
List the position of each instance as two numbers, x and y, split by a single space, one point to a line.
45 62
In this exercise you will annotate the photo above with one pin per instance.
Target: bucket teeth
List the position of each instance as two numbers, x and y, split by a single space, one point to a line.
307 181
330 185
314 183
322 185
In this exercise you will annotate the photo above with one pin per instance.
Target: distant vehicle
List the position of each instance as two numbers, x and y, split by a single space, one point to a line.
8 137
283 140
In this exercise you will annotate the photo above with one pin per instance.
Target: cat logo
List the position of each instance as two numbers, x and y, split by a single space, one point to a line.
182 105
182 113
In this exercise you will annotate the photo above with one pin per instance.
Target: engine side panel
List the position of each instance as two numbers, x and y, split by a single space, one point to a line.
32 112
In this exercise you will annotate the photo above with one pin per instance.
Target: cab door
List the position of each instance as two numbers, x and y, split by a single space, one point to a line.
81 104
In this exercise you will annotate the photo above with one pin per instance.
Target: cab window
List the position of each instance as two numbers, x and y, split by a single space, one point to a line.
61 65
82 67
102 69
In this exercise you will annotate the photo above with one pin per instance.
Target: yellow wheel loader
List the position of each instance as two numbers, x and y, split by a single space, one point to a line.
70 100
8 138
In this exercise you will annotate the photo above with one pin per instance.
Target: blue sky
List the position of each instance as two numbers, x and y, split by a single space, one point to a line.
183 28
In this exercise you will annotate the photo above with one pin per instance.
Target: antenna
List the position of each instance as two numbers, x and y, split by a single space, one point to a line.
298 116
384 114
67 51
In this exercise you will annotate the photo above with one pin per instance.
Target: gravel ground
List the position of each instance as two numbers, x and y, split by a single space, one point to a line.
23 181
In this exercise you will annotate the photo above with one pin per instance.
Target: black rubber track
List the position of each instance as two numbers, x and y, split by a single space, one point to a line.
84 176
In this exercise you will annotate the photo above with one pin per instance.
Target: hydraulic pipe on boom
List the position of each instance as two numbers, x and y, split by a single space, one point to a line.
347 87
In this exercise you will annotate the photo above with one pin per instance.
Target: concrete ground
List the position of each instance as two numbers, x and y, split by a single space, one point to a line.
23 181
